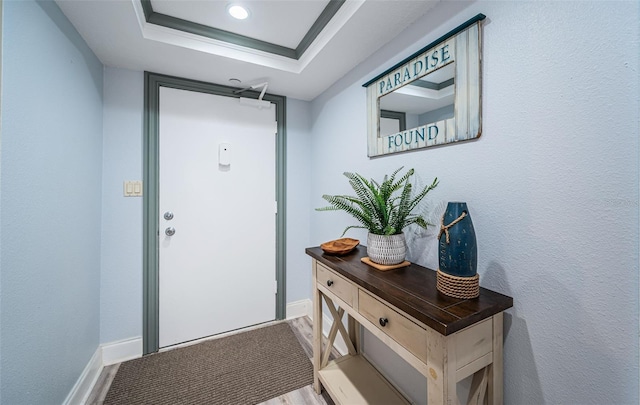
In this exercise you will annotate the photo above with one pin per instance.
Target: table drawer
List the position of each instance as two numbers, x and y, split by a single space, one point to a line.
336 284
404 331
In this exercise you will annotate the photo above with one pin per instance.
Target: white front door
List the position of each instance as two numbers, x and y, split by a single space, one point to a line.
217 271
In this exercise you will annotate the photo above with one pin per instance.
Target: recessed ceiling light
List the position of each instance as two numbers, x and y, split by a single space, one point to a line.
238 11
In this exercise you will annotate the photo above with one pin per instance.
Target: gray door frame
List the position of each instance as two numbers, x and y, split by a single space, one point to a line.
151 226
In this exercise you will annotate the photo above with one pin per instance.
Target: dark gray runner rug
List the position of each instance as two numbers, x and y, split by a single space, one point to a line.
246 368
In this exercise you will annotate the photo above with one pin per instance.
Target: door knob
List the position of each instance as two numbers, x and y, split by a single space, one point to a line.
383 322
168 215
170 231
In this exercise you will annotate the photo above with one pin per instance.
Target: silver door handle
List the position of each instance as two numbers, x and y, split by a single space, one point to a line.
170 231
168 215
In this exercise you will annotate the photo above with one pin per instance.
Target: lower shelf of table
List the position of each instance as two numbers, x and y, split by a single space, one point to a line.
353 380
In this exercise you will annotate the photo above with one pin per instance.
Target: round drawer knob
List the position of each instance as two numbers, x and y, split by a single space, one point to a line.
329 283
383 321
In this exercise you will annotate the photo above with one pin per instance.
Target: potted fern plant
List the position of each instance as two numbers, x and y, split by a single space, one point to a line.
384 209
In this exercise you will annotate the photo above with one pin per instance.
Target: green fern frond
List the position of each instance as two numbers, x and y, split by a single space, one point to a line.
378 207
403 206
343 203
416 200
352 227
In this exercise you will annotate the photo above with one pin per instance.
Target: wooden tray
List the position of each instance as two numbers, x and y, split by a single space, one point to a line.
339 246
383 267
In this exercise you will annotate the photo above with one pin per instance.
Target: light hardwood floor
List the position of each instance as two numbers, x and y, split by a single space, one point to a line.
302 328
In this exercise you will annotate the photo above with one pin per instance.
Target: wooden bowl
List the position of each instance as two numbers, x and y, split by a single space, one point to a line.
339 246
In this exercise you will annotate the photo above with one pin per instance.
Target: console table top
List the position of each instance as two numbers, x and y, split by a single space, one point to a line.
412 289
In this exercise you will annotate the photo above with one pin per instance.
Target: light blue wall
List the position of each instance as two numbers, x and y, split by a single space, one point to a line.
298 199
121 277
436 115
50 183
552 187
1 35
412 120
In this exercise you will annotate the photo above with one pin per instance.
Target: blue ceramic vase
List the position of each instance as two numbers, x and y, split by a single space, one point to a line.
458 257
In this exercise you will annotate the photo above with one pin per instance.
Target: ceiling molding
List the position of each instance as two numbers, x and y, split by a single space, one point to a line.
431 85
206 44
163 20
323 19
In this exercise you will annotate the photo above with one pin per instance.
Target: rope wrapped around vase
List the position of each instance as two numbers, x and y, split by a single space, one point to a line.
458 287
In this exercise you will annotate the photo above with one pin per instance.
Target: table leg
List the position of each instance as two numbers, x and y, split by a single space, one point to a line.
354 332
317 337
496 374
441 379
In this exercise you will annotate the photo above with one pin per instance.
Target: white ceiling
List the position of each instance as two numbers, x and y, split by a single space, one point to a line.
120 36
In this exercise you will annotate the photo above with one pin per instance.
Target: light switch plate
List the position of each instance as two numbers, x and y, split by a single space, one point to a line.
133 188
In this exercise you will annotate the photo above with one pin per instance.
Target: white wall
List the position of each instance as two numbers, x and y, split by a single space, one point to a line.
552 187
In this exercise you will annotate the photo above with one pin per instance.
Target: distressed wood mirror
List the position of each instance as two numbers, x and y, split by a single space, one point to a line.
431 98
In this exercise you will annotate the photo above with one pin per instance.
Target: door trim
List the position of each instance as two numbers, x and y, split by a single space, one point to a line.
151 227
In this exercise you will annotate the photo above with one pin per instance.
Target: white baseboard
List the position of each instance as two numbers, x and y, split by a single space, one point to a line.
122 350
300 308
82 388
105 355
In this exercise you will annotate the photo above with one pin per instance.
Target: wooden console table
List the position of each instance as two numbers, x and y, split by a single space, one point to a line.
446 339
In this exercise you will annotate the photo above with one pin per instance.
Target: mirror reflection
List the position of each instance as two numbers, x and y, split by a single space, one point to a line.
423 101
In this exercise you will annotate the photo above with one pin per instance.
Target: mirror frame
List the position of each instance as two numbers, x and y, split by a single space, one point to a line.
463 45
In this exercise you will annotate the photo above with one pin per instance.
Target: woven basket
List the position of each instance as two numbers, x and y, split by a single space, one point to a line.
386 249
458 287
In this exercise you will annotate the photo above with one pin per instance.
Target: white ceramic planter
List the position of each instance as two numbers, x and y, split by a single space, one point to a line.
386 249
